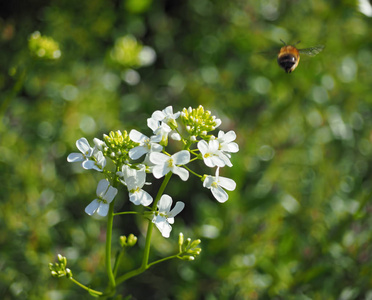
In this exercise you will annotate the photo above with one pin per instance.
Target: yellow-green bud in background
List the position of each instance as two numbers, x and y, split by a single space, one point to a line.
43 47
128 242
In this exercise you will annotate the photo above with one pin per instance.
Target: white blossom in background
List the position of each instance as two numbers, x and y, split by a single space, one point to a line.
163 164
165 216
212 156
134 180
86 151
147 145
106 194
217 184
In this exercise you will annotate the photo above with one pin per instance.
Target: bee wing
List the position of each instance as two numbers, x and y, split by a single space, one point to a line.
312 50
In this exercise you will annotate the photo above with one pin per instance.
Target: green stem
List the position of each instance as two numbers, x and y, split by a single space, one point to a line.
140 270
192 171
92 292
144 266
151 224
110 220
117 261
125 213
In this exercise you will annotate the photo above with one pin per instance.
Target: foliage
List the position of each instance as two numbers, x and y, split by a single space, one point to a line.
298 225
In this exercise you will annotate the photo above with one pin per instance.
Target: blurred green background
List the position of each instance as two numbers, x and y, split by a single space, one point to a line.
299 224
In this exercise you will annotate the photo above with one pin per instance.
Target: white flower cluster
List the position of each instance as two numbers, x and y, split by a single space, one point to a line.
125 150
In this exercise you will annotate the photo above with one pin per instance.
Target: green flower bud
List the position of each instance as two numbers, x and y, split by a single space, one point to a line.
132 240
199 122
123 240
180 239
118 146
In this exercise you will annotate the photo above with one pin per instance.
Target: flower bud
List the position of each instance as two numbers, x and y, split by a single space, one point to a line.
132 240
180 239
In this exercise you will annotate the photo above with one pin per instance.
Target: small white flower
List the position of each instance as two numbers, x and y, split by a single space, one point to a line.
217 184
96 162
100 145
147 145
106 194
135 180
212 156
167 116
164 216
226 141
85 149
165 164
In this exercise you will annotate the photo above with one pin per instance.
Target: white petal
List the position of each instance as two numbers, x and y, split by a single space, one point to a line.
175 136
230 147
137 136
209 161
137 152
203 147
103 209
155 138
160 170
88 164
181 172
220 195
84 147
156 147
110 194
226 160
214 145
227 183
163 226
153 124
140 197
207 183
92 207
102 186
181 157
74 157
176 210
158 158
158 115
165 203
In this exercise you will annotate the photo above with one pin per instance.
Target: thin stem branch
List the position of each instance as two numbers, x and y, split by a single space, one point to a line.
91 291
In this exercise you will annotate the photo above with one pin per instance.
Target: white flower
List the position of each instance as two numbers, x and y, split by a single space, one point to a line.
165 164
217 184
212 156
85 149
96 162
100 145
226 141
166 115
147 145
135 180
164 216
106 194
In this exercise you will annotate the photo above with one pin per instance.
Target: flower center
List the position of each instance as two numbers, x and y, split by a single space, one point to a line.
170 163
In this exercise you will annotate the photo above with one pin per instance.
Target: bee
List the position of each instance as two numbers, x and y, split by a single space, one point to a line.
289 55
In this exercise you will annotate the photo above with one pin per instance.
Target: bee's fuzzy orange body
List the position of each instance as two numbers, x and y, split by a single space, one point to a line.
288 58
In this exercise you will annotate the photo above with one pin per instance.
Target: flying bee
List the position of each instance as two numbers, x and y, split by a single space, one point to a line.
289 55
